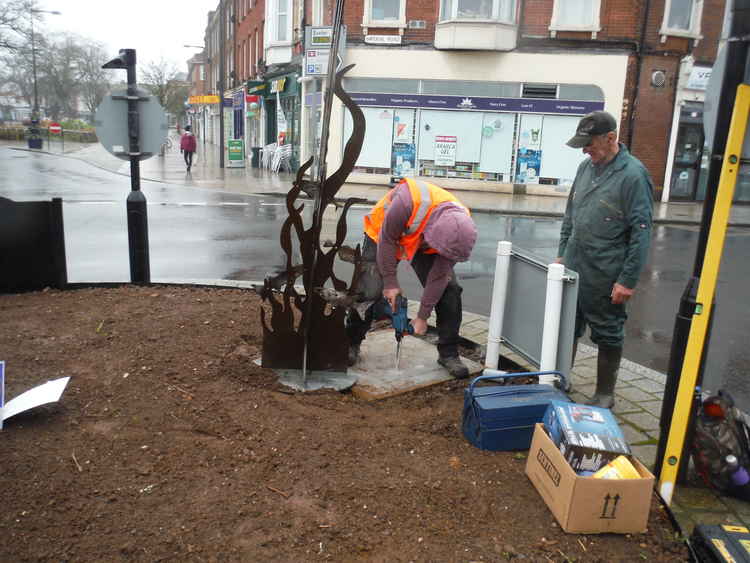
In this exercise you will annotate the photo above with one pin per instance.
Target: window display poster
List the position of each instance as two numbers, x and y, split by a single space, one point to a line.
529 162
404 159
529 157
403 126
281 125
445 150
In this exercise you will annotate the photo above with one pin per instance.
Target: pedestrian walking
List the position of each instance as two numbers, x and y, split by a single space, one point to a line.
188 146
605 237
430 227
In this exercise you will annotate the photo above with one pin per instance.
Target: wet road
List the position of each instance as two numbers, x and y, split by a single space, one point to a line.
204 234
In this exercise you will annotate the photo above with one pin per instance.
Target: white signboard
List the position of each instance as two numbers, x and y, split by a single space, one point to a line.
316 62
445 150
699 76
383 39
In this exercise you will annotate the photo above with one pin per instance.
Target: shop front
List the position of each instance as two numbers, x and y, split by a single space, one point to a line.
495 139
282 109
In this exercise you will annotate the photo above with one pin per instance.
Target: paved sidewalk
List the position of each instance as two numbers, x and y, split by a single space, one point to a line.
639 390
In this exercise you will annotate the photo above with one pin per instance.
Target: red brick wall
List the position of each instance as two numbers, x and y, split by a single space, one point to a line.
427 10
713 13
653 116
246 27
618 19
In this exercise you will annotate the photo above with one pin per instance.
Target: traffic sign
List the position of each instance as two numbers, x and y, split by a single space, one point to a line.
111 122
55 128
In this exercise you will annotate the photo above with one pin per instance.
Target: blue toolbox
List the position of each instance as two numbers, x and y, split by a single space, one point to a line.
502 417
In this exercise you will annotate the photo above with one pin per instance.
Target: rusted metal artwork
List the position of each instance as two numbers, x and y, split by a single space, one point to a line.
293 318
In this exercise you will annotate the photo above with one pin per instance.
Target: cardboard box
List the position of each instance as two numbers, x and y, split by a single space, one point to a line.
585 505
588 437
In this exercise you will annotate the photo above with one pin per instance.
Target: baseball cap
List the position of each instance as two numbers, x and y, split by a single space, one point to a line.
452 234
591 125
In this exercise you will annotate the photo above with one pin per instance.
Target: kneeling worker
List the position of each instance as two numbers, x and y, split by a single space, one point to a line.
427 225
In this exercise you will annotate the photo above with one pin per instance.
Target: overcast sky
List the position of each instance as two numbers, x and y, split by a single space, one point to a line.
155 28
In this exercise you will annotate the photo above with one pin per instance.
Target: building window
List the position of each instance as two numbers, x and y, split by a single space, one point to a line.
282 17
384 13
202 71
682 18
575 15
494 10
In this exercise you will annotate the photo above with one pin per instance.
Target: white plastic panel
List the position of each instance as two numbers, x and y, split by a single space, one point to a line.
465 126
376 148
558 159
497 142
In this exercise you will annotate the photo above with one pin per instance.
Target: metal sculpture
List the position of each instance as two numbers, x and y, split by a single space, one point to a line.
305 331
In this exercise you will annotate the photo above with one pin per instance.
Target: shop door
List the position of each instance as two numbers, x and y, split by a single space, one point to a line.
687 160
270 109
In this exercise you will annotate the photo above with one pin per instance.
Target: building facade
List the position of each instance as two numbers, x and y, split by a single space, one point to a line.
478 92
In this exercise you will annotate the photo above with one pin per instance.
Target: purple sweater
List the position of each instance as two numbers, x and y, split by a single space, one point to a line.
394 226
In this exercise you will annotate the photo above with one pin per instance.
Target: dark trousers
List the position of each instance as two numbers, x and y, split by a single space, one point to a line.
448 309
188 158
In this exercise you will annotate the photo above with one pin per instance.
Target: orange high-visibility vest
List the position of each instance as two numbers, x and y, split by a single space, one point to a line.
425 198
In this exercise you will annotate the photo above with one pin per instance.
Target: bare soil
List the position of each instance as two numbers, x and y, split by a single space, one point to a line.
171 444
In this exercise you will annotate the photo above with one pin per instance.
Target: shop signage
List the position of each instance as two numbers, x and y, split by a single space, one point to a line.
228 103
522 105
238 99
321 37
699 76
383 39
277 86
445 150
255 86
203 100
316 61
236 153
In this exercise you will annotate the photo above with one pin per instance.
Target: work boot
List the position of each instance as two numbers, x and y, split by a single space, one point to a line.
455 366
353 354
607 366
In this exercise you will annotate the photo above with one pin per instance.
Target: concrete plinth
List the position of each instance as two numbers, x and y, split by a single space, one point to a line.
377 376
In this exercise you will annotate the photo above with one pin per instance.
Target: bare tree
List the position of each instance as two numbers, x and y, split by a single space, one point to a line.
164 81
15 20
94 81
57 74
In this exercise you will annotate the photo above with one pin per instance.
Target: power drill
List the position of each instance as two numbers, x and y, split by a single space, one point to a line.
399 319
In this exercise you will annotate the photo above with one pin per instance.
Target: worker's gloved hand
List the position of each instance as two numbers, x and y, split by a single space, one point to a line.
420 326
390 296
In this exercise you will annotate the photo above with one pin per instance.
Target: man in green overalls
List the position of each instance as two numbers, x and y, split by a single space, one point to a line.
605 237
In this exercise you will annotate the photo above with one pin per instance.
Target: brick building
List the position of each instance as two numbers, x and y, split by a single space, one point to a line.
483 92
499 86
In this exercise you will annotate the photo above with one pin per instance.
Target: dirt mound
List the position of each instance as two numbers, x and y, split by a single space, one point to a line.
170 443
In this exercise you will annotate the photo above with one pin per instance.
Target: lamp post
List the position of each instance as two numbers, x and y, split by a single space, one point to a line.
34 140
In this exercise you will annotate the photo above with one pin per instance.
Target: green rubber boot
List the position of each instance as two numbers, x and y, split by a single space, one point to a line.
607 367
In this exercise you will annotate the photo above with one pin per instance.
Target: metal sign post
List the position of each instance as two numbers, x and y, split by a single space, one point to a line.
318 208
138 133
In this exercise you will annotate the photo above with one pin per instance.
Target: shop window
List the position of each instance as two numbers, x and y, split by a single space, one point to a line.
682 18
575 15
492 10
384 13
